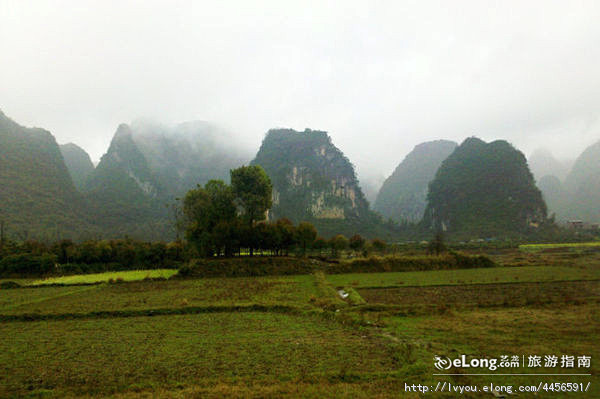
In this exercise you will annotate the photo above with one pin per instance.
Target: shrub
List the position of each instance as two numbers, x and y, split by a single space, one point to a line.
6 285
248 267
273 266
356 242
185 271
379 245
376 264
338 244
27 264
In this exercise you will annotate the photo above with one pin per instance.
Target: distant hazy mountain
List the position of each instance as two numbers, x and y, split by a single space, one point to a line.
543 163
555 195
371 184
484 190
583 186
37 196
148 166
124 192
78 163
403 196
188 154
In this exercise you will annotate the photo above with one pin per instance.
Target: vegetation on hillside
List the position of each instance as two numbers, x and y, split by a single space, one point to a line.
37 196
484 189
124 193
313 181
134 190
147 167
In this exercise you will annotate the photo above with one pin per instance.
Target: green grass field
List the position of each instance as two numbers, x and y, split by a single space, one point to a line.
270 337
576 245
486 295
556 330
113 355
269 291
26 297
129 275
466 276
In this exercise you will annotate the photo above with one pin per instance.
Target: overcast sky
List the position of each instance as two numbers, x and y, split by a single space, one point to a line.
380 76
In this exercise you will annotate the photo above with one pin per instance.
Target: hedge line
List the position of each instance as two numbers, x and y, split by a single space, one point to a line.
377 264
27 264
277 266
249 267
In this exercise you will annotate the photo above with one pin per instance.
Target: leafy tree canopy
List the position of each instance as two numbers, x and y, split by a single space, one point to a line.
252 189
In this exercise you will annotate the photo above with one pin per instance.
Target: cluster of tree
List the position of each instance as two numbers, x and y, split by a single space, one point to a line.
220 218
356 244
224 220
35 257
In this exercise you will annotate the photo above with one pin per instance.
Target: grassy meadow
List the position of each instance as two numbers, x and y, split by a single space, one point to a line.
294 336
551 246
128 275
465 276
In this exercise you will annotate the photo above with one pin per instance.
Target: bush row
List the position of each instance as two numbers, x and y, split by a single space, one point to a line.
126 252
249 266
270 266
376 264
28 264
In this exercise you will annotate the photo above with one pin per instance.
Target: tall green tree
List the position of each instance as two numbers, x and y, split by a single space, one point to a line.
437 246
285 235
320 244
252 190
338 244
210 214
306 234
356 242
379 245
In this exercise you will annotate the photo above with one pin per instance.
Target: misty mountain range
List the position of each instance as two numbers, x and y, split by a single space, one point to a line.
577 195
403 196
51 191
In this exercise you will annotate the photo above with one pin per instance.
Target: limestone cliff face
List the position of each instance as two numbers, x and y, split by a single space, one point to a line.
312 179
